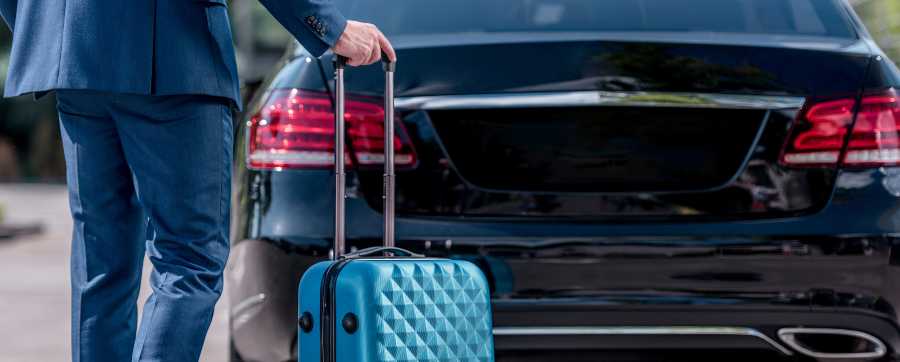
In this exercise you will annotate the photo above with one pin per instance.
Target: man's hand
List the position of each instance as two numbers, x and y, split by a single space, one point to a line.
362 44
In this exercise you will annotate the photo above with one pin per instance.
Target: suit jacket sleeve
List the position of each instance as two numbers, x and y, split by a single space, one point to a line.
317 24
8 12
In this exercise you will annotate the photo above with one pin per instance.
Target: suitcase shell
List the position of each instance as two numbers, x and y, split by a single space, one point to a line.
406 309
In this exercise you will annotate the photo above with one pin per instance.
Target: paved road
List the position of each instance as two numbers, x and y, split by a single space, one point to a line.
34 287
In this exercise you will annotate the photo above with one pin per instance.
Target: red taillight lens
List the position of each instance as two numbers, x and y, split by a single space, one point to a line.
295 129
874 141
820 132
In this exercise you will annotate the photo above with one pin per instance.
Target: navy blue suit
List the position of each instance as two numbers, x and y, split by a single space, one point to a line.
161 47
145 93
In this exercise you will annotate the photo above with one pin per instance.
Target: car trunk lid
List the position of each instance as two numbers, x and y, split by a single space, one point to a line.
621 129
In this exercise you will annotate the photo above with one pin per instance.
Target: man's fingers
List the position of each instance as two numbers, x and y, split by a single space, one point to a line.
363 44
386 47
376 53
352 61
362 57
372 47
355 61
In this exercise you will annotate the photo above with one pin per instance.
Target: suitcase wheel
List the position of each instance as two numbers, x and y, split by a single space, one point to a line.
306 322
350 323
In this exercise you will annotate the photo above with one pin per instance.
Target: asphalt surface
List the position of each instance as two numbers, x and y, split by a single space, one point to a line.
34 284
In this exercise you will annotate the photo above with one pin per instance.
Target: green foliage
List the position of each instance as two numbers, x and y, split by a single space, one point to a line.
5 41
882 18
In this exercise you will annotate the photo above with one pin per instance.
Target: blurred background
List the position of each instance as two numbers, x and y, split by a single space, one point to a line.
34 224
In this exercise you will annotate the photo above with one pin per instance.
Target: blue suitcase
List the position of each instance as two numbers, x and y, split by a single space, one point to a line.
386 303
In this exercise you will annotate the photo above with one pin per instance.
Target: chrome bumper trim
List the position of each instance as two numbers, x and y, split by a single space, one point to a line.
600 98
641 331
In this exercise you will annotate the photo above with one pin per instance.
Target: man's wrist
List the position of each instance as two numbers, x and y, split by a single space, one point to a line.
332 41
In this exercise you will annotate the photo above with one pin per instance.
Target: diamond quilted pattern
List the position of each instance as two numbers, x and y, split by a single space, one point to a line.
432 312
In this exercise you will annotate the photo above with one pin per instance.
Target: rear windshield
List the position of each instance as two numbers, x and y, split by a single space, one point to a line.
783 17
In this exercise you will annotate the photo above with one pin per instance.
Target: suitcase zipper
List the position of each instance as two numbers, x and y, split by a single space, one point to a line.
327 334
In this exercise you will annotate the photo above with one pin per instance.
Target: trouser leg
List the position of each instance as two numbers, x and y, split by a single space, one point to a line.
108 231
180 150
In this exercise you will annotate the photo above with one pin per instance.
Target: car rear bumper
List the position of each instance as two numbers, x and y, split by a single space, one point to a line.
588 325
614 300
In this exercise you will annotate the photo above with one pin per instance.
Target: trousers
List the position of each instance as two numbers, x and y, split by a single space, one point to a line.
147 175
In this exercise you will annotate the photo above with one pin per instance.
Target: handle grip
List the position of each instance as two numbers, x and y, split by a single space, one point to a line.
381 250
389 66
340 62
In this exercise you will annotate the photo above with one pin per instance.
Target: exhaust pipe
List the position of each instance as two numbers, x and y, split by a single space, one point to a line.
833 343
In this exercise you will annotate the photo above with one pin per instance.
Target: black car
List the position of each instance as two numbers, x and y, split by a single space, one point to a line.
638 179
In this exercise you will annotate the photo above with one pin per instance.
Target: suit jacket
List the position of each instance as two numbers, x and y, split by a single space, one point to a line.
150 47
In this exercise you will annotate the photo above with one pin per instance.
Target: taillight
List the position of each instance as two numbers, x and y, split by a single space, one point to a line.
295 129
820 132
874 141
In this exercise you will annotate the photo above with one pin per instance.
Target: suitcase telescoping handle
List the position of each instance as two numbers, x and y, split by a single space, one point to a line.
339 146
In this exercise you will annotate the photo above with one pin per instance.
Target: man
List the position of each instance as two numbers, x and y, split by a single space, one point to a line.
145 90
